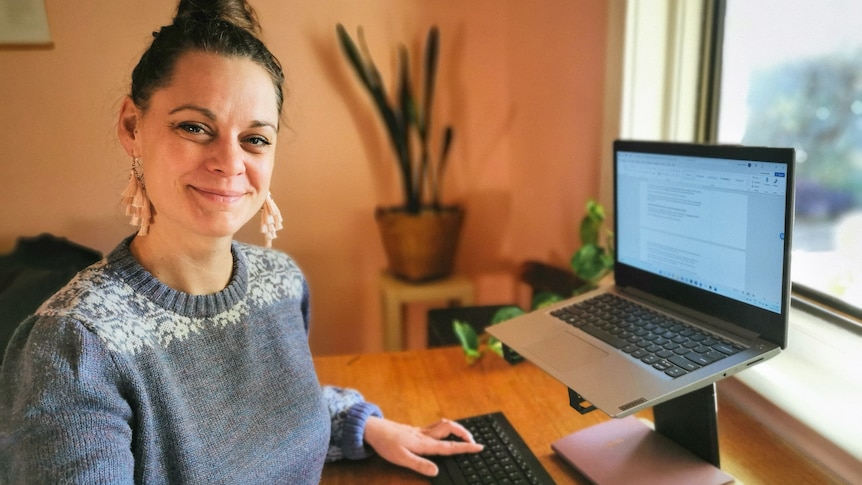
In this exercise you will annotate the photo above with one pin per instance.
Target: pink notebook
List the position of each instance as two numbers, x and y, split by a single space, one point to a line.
626 451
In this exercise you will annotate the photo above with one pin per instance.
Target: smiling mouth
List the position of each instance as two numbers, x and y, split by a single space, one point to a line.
219 196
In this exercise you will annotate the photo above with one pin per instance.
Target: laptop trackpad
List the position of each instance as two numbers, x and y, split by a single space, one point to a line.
565 351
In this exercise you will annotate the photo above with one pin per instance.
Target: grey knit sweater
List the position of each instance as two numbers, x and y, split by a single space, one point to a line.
119 379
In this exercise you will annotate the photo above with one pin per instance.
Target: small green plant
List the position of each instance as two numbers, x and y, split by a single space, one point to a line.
591 262
474 344
407 121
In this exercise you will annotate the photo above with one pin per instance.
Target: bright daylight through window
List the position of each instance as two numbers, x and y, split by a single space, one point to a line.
792 76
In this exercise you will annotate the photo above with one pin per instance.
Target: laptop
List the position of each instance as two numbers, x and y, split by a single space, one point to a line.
702 247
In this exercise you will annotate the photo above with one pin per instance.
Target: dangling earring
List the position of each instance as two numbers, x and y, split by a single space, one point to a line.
270 220
136 201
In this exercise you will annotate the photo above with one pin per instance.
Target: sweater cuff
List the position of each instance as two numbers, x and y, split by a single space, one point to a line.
353 441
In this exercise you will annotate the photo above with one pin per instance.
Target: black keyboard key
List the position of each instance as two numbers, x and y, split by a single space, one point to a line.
683 362
630 348
725 348
640 354
674 371
604 336
505 459
699 336
705 358
650 359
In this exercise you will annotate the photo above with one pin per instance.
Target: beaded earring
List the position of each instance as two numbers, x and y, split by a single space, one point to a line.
270 220
136 201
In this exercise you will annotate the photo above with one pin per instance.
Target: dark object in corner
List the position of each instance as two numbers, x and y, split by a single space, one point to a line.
511 356
33 271
578 403
542 277
440 331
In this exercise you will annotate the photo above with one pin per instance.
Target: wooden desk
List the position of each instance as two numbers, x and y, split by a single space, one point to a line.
421 386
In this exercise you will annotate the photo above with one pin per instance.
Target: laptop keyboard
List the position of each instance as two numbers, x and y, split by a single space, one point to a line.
666 344
506 459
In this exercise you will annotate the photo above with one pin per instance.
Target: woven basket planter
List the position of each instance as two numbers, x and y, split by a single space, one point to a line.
420 247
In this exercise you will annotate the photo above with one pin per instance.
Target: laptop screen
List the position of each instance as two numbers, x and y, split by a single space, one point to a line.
712 220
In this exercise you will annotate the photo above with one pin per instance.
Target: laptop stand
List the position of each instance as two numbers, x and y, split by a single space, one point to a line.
691 421
683 447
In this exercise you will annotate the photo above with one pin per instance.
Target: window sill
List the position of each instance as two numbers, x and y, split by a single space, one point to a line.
809 393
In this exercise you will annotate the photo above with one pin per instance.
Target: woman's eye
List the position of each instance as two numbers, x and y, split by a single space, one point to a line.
258 140
192 128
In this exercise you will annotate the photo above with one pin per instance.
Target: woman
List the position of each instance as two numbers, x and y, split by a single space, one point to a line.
182 357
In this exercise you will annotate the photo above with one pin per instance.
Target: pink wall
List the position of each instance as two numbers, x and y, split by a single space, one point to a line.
521 81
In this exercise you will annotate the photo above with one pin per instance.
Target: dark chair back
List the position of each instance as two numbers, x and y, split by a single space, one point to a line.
35 270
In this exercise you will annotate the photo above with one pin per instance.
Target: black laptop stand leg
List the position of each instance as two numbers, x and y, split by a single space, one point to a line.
691 421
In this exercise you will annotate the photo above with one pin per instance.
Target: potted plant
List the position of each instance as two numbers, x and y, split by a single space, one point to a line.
420 235
589 264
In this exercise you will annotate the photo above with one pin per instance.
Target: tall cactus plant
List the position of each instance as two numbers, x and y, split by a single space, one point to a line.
404 119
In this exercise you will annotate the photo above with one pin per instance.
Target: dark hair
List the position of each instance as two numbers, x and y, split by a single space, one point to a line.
225 27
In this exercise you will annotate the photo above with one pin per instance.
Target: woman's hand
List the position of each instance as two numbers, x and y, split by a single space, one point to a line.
402 444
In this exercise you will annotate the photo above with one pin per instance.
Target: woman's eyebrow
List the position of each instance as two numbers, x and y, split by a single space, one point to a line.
260 124
204 111
209 114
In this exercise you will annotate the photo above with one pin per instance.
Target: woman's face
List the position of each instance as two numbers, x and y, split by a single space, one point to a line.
207 144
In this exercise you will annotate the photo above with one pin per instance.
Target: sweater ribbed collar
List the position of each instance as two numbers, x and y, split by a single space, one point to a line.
122 263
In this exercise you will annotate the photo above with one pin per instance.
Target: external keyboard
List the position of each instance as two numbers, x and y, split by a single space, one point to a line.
506 459
666 344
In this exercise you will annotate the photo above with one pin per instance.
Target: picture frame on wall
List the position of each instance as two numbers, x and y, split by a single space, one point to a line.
24 23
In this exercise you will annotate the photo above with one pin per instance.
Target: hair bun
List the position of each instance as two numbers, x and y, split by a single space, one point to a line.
224 27
236 12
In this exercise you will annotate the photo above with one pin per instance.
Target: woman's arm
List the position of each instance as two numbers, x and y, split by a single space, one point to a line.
62 418
406 445
349 413
357 423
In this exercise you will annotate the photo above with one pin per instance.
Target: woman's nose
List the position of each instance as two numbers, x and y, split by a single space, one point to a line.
227 157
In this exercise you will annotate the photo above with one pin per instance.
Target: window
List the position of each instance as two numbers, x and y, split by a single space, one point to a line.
673 86
791 75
